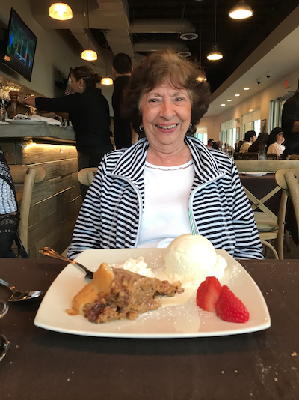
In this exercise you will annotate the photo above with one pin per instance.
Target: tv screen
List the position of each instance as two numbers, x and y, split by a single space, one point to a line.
20 46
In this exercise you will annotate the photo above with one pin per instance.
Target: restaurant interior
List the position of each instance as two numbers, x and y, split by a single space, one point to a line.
183 353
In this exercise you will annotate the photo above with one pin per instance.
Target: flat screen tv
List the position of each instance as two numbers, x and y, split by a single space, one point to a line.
20 46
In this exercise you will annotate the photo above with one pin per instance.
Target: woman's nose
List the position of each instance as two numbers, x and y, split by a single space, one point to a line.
167 109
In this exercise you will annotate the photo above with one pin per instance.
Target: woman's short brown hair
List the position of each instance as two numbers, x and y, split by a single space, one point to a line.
160 67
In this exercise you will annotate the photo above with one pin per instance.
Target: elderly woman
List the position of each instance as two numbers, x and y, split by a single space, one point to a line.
146 195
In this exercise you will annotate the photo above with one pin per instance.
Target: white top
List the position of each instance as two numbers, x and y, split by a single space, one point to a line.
276 148
166 195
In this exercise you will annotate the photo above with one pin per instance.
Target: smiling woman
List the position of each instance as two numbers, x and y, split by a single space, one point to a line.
152 192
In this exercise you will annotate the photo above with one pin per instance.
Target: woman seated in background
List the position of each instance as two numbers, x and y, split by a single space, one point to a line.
275 141
260 145
152 192
249 138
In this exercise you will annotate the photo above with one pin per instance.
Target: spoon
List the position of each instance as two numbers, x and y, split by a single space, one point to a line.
47 251
18 295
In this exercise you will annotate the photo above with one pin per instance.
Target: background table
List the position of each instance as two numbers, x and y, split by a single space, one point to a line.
47 365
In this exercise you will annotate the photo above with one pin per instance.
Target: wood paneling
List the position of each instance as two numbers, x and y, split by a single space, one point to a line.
56 200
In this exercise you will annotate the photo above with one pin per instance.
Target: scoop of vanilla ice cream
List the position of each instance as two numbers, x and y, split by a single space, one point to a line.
191 258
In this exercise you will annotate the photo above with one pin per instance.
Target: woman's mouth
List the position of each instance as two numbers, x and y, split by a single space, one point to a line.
168 128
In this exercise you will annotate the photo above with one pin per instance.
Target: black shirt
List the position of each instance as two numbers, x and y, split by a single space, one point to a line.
122 127
290 114
89 113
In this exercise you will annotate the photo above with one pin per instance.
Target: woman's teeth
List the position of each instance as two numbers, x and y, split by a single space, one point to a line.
167 127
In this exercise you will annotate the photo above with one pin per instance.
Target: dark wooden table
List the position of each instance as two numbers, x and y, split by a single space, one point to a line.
46 365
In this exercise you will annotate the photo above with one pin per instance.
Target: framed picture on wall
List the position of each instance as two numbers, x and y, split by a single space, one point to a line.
263 125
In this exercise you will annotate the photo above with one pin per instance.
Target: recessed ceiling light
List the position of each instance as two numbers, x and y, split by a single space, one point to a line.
246 88
222 105
237 95
189 36
229 100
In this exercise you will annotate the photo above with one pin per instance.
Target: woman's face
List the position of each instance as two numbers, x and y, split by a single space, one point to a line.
280 138
76 86
166 115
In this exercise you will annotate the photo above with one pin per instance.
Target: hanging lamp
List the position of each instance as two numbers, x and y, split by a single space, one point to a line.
107 81
88 54
241 11
215 54
60 11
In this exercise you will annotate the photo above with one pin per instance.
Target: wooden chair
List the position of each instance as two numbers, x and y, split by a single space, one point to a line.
266 221
288 180
25 176
271 157
86 175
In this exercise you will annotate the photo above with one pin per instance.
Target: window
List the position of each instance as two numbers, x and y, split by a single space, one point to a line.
251 121
201 134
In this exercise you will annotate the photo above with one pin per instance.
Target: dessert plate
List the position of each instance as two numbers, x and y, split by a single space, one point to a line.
180 318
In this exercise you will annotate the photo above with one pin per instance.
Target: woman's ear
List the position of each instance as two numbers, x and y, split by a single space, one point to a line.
81 83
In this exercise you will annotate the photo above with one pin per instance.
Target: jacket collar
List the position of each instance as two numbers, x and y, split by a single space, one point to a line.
131 163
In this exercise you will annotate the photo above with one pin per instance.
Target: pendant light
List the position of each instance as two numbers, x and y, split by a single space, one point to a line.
215 54
241 11
107 81
88 55
60 11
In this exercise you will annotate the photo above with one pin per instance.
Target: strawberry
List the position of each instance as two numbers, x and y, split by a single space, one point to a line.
230 308
208 293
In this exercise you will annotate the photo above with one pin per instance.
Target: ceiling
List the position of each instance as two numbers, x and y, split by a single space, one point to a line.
137 27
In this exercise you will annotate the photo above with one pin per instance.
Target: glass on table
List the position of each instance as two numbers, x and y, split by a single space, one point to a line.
4 343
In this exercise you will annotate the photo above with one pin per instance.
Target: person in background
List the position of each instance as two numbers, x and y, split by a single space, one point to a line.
168 183
249 138
210 143
260 145
89 112
122 69
290 125
275 142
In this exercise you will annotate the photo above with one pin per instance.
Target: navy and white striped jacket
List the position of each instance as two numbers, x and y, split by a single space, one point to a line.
110 216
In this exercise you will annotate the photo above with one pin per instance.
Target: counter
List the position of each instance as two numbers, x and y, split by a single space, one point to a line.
55 202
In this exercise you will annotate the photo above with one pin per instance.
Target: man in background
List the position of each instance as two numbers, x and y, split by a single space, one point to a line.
290 125
122 68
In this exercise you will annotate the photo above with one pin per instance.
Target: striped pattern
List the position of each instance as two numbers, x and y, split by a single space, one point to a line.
7 197
111 213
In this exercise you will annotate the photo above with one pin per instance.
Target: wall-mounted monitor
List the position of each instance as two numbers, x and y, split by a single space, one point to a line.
20 46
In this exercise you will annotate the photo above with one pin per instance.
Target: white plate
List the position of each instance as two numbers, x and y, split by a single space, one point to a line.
254 173
175 321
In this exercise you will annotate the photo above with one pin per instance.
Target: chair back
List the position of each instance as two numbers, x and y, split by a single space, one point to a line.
86 175
271 157
28 176
288 180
